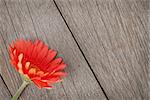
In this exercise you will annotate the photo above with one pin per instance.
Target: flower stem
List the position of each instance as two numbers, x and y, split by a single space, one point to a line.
20 90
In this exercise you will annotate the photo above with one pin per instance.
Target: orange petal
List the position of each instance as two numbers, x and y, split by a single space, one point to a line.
27 65
42 53
54 80
20 71
59 74
20 57
40 73
19 65
49 58
56 61
32 71
60 67
14 52
40 84
29 50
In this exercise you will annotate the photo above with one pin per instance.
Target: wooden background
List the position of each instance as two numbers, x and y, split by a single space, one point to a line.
104 43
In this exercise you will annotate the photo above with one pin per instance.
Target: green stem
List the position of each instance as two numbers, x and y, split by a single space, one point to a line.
20 90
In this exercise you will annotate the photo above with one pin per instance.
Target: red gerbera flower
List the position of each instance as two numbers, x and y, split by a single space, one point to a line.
36 62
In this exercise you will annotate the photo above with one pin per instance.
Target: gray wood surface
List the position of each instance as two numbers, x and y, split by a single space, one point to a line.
114 38
103 42
4 94
33 19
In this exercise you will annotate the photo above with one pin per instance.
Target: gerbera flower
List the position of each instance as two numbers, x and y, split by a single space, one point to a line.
36 63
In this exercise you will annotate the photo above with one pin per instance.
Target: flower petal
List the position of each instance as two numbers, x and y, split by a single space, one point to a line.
59 74
32 71
54 80
49 58
34 60
40 73
27 65
20 57
56 61
42 54
29 50
56 68
40 84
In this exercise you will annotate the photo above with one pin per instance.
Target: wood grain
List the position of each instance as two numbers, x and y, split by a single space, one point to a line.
114 38
4 93
41 19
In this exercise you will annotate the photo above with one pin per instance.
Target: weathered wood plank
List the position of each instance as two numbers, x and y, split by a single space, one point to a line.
4 93
114 39
19 18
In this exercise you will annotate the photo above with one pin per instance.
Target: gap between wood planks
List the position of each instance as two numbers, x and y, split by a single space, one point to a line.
1 75
76 43
5 85
81 51
20 26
